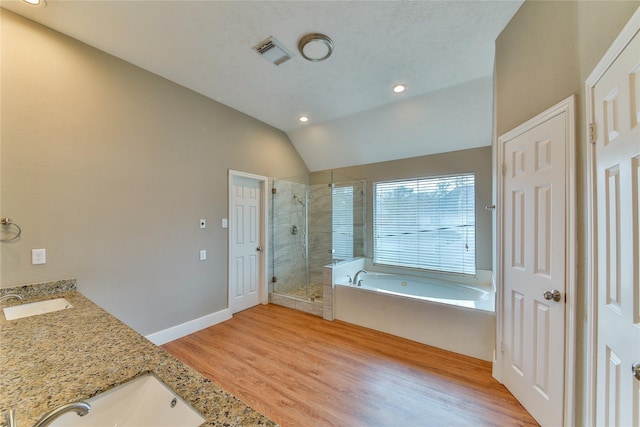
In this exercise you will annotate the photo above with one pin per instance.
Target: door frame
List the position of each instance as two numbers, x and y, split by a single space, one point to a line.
624 38
263 289
566 106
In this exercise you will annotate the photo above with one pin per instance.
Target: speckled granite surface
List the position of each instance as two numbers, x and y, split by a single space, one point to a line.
69 355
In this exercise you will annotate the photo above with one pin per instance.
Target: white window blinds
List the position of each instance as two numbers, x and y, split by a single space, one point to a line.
426 223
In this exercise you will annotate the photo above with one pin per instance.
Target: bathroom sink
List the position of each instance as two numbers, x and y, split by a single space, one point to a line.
35 308
143 401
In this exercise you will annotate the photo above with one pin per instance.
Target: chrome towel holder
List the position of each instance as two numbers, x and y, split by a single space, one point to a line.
6 222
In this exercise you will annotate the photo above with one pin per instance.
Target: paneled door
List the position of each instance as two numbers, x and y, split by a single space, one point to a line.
535 199
246 244
616 114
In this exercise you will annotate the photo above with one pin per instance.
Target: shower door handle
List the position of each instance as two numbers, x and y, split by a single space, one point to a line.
259 248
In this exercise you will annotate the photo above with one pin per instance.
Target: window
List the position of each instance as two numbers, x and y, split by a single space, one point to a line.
426 223
342 219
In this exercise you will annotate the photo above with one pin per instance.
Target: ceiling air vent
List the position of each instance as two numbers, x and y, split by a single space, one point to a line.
273 51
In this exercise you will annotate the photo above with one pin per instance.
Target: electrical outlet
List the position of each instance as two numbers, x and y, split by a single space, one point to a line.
203 254
203 223
38 256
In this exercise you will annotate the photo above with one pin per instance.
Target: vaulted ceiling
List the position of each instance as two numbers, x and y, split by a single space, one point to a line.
442 50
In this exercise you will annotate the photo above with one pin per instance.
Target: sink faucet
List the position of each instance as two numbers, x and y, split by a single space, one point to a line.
355 278
9 296
10 416
80 408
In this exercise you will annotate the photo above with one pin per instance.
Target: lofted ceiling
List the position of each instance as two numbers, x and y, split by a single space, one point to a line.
442 50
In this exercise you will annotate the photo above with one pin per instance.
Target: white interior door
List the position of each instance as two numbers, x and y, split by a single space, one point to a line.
536 195
616 111
246 242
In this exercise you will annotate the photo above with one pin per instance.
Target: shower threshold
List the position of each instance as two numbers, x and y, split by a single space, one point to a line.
313 293
297 303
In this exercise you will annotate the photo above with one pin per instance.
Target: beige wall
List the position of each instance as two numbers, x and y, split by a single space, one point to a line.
543 56
477 160
110 168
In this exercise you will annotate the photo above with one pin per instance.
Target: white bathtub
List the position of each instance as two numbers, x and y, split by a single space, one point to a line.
452 316
429 290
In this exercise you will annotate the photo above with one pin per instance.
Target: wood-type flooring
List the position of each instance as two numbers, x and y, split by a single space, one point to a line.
301 370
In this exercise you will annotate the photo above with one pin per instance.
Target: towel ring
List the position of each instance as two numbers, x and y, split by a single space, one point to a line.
7 222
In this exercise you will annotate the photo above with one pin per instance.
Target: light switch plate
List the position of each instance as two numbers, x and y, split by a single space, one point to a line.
203 223
38 256
203 254
225 223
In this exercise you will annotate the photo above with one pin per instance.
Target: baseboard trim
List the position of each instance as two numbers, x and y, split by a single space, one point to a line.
184 329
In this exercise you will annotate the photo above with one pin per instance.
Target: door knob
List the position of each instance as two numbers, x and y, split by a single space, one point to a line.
553 294
259 249
635 368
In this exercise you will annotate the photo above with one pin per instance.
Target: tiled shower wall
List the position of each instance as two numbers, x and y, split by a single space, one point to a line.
359 204
320 226
319 231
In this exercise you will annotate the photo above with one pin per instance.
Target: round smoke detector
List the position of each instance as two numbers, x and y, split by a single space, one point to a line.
315 47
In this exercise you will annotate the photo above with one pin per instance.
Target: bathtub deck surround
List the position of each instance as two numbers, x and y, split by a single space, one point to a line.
440 321
462 330
52 359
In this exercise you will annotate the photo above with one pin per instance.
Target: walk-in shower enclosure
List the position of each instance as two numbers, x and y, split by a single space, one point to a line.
316 220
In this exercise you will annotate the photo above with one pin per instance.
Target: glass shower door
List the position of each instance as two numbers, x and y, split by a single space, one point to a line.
289 235
317 219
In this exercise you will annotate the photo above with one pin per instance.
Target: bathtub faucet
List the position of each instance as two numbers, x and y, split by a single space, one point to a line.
355 278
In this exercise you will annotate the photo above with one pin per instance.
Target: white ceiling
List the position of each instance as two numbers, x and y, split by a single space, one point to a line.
443 51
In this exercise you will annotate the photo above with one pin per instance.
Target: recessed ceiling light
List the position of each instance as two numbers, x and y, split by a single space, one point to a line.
315 47
36 2
399 88
303 119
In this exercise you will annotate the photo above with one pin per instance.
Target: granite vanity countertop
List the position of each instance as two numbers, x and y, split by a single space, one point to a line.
69 355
